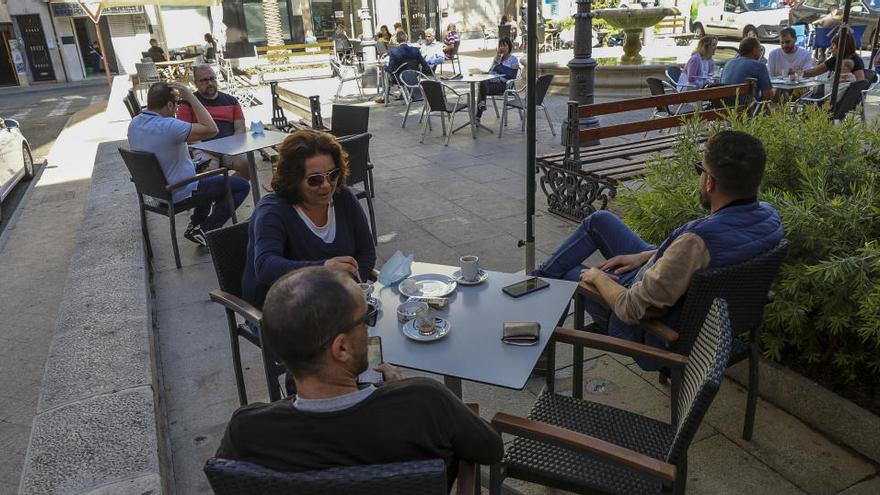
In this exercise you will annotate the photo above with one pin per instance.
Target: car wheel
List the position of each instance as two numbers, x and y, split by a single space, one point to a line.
28 163
698 30
750 32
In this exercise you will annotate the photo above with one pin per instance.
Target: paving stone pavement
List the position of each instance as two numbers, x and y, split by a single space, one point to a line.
439 203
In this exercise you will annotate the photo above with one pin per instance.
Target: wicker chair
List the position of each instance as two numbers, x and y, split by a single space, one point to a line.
243 478
745 287
358 148
228 247
588 447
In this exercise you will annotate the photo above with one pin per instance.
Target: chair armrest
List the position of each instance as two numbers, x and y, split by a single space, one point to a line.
506 423
661 330
618 346
197 177
237 305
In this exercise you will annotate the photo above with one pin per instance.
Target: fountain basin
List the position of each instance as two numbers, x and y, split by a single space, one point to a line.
632 21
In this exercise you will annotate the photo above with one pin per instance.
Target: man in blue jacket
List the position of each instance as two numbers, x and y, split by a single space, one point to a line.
640 281
403 53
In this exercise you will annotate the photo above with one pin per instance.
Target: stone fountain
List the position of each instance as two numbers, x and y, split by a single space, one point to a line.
632 20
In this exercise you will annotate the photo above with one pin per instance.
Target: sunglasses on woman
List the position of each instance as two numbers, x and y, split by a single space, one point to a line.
316 180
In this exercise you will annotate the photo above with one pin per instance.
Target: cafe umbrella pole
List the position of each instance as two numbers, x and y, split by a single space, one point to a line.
531 74
838 61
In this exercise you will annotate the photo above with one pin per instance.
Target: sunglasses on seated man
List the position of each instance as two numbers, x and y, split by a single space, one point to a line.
369 319
316 180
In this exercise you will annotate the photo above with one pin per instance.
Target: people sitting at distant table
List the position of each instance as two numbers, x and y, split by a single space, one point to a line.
506 66
640 281
403 53
746 66
431 50
847 51
450 40
698 70
157 131
789 57
226 113
316 321
156 52
310 219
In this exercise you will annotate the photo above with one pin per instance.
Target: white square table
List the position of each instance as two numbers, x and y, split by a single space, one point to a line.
246 142
473 349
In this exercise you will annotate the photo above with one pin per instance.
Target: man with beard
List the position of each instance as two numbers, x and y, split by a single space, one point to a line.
639 281
788 57
315 319
227 114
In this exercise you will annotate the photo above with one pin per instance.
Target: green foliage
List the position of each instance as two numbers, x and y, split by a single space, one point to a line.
824 179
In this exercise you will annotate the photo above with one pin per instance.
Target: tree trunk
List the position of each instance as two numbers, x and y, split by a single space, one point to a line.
308 24
272 19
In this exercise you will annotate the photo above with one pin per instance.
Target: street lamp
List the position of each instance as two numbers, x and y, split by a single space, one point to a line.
582 68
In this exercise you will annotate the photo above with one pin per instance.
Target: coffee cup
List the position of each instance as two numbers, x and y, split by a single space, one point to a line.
470 268
366 290
424 321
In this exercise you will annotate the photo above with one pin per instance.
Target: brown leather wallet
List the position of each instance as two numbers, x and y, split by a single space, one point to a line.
521 332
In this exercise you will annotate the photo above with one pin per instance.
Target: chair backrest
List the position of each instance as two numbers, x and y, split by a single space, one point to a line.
133 100
381 48
821 38
744 286
127 103
857 31
656 87
701 378
146 173
228 248
673 73
434 95
800 31
503 31
410 80
455 48
146 55
229 477
147 72
349 119
358 149
542 86
852 96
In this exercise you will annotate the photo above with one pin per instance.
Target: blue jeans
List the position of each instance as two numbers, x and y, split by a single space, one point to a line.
603 231
212 209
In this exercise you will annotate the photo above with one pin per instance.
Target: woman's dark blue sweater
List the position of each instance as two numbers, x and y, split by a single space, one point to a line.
279 241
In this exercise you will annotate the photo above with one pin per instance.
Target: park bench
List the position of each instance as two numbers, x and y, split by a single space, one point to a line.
677 26
307 109
586 173
277 53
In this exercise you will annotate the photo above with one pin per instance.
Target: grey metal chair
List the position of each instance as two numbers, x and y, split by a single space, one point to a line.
515 98
588 447
673 74
149 181
346 73
453 59
147 75
358 148
228 248
228 477
437 104
412 92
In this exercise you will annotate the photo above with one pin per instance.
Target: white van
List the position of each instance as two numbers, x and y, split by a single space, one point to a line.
738 18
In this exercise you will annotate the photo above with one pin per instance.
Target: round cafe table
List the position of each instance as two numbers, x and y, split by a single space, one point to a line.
177 70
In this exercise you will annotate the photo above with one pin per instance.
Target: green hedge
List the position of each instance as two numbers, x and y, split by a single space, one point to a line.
823 179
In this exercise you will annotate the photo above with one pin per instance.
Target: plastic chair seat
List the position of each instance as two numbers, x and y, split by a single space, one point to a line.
537 460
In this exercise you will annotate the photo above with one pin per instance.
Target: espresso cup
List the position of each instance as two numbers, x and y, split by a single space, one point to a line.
366 290
470 267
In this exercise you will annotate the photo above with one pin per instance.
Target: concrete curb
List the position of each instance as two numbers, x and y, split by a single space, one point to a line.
98 427
831 414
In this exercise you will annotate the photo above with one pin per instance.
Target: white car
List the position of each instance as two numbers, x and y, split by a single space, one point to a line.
762 19
16 162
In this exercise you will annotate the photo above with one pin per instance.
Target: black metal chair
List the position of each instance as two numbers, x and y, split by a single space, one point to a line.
228 247
131 111
658 88
348 120
745 286
228 477
453 59
514 98
852 97
587 447
358 148
134 102
149 180
435 98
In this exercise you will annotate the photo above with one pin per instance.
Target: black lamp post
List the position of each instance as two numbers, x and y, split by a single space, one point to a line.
582 68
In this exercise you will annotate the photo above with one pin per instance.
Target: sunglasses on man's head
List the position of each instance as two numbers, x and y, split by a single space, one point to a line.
316 180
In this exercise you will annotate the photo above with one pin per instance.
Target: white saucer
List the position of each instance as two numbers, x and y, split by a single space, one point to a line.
441 328
482 278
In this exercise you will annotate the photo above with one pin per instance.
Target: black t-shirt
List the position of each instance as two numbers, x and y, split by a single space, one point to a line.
408 420
156 53
858 63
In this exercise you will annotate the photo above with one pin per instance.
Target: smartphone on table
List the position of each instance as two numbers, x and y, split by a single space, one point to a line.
525 287
374 358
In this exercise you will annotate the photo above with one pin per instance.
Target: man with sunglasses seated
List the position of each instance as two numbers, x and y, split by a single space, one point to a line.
309 219
640 281
157 131
227 114
315 319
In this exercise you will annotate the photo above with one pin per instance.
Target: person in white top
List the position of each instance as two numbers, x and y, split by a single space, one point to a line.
788 57
431 50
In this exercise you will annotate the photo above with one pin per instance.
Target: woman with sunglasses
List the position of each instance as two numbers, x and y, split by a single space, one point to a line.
310 218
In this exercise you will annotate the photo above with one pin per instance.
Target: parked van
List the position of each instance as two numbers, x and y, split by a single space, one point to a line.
738 18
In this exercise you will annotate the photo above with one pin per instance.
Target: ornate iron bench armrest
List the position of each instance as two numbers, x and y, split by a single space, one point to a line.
506 423
618 346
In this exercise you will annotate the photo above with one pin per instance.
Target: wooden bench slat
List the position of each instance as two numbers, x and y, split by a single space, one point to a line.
642 103
299 46
593 134
626 153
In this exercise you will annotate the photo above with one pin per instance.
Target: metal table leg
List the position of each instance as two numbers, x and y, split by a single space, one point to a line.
453 384
255 180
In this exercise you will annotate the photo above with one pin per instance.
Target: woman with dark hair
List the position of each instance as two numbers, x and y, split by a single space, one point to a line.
506 66
848 52
384 34
310 219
